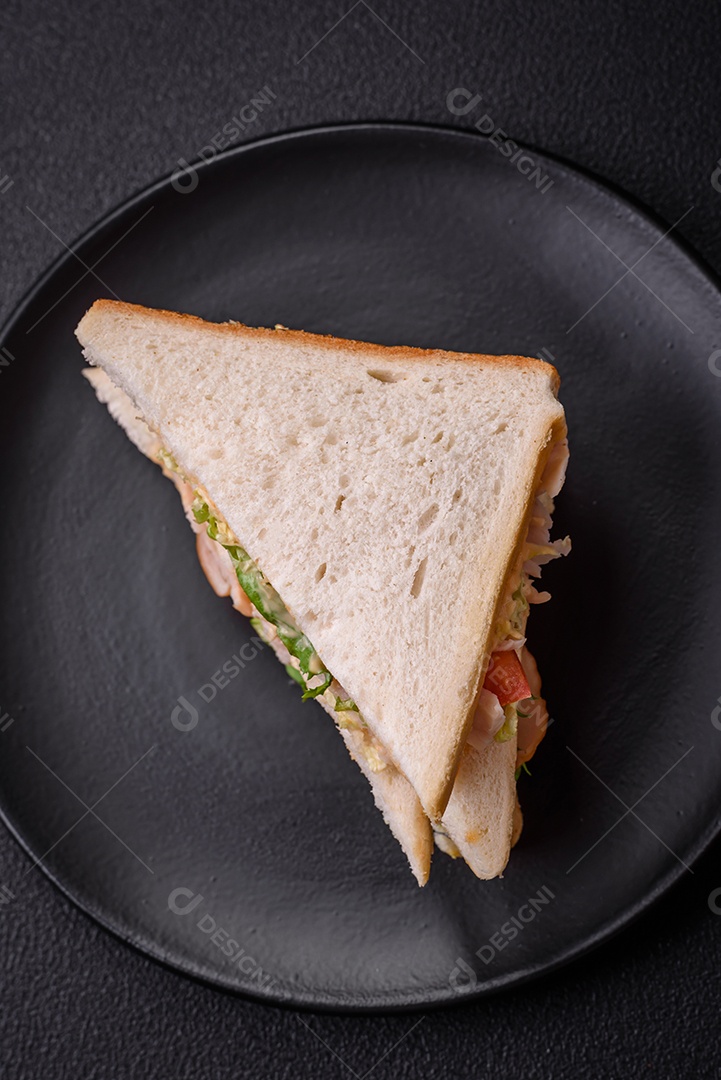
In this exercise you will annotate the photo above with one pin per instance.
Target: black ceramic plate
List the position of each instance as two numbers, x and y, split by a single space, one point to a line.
198 818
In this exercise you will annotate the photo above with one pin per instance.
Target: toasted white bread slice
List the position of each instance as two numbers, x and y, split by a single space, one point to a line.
408 474
478 819
483 805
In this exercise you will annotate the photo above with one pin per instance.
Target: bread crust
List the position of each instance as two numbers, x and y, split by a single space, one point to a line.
325 341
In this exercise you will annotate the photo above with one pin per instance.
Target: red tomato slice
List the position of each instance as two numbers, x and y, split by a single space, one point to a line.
506 678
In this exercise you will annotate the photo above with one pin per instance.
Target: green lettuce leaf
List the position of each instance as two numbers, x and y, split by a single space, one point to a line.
345 705
263 596
295 674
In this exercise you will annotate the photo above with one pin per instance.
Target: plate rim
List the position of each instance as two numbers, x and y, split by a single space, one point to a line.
588 175
413 1002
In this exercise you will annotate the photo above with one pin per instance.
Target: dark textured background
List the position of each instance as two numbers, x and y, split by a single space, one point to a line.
101 98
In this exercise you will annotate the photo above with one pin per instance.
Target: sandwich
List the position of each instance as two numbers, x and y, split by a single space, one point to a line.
382 515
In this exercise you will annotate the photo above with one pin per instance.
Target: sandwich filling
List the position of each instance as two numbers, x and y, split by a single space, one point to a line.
511 668
509 703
